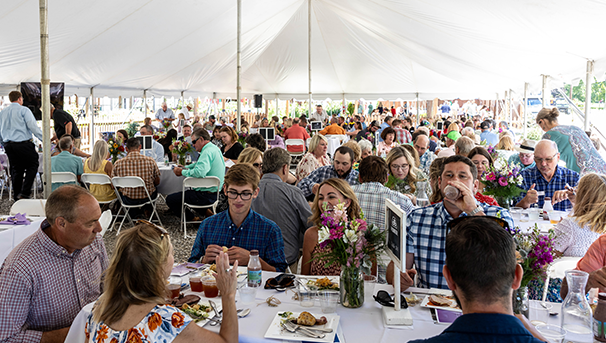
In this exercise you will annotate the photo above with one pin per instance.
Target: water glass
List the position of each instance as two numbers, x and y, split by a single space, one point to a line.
525 216
533 213
553 333
539 313
328 300
248 294
369 287
554 216
515 213
306 298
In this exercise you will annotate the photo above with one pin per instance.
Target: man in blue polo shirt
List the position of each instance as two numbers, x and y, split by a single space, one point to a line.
66 162
483 288
240 229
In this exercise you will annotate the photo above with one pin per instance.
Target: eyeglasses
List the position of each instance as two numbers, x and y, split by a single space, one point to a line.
385 299
397 166
258 165
541 160
456 221
244 195
193 142
157 227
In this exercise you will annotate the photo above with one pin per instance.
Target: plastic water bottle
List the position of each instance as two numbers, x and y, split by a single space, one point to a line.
166 159
547 206
254 269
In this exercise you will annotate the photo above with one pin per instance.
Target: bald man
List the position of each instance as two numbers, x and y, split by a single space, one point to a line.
548 179
165 113
421 144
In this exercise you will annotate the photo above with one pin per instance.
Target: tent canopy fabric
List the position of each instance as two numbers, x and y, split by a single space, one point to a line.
360 49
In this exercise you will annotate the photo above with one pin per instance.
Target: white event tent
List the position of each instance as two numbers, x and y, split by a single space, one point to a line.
359 49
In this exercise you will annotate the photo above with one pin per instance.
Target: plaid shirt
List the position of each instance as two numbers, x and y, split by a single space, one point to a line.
43 288
558 182
402 135
426 161
426 238
372 195
325 173
256 232
135 164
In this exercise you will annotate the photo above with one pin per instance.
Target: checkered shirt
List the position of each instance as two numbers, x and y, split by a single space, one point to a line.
426 238
256 232
135 164
558 182
325 173
426 161
402 135
372 195
43 288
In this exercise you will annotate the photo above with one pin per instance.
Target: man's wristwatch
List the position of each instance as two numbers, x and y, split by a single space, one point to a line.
474 212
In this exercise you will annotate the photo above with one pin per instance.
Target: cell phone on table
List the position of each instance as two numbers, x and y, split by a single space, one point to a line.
444 316
172 166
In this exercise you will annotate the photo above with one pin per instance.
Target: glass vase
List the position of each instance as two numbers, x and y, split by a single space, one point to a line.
577 318
352 287
521 304
181 160
504 202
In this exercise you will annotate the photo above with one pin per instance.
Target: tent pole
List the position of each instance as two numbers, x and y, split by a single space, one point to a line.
45 82
418 114
589 78
544 90
309 54
525 107
277 107
239 66
510 118
497 113
144 109
91 138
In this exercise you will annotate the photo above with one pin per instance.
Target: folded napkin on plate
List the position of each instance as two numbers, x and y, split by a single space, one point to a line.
17 219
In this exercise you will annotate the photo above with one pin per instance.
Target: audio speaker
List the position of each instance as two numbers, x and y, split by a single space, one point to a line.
258 100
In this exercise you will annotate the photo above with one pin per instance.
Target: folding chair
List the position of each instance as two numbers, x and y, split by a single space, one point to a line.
295 155
96 179
132 182
63 177
192 182
5 179
557 269
105 220
31 207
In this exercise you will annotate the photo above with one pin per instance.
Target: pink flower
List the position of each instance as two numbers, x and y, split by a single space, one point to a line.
491 177
503 181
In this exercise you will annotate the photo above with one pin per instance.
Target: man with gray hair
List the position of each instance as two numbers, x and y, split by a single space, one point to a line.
157 150
548 178
47 279
463 146
165 113
283 203
65 161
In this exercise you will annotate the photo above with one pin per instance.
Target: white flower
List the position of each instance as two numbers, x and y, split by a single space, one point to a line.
350 236
323 234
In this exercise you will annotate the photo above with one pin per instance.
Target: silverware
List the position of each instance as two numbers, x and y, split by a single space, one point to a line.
291 328
217 316
327 330
243 312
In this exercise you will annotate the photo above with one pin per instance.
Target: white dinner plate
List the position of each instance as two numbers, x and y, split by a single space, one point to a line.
425 303
306 279
211 314
276 331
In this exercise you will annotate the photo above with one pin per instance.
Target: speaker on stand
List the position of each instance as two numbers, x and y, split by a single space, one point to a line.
259 102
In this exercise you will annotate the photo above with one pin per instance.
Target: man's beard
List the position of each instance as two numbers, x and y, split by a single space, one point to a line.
344 174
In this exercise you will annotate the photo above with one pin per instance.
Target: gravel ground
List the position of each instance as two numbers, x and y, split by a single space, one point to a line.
182 246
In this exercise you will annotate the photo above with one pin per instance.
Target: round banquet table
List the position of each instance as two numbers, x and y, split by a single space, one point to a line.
169 182
362 325
12 235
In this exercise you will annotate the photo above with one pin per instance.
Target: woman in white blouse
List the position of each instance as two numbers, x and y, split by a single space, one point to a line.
314 158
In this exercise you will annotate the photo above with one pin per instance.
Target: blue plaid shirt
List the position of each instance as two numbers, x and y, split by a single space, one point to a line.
325 173
558 182
426 238
426 161
256 232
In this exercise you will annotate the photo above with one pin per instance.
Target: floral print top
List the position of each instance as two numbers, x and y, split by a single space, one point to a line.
162 324
309 163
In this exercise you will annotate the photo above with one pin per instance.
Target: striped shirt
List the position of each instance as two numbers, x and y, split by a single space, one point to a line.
135 164
43 287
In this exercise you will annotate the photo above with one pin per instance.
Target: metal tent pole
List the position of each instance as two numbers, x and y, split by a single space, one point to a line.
309 54
588 83
418 114
277 107
544 91
45 82
91 139
525 107
239 65
510 117
144 103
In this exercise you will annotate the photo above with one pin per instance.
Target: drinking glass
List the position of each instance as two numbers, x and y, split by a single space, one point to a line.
525 216
328 300
248 294
195 282
539 313
553 333
306 298
369 287
515 213
210 287
554 216
174 286
533 213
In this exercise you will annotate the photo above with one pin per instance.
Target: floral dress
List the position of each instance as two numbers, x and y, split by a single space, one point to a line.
308 164
162 324
317 265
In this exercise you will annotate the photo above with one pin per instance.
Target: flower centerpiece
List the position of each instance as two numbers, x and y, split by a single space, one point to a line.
132 128
166 124
534 252
181 148
492 152
159 135
115 149
352 244
242 137
503 181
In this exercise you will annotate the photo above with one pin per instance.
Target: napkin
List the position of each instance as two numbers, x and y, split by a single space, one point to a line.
17 219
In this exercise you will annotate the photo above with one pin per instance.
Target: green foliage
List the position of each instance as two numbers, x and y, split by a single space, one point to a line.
132 128
350 108
598 91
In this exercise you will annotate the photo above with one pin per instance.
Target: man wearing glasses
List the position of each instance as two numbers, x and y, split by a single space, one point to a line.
240 229
209 163
525 158
548 179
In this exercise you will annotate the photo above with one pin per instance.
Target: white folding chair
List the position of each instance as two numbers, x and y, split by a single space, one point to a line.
105 220
132 182
64 177
193 182
96 179
557 269
31 207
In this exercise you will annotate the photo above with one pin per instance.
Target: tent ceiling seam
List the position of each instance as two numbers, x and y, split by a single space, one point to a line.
328 51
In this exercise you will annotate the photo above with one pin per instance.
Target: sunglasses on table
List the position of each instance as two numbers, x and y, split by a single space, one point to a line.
280 282
385 299
155 226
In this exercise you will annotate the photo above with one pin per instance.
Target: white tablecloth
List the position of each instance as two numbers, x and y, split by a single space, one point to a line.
362 325
11 236
169 182
333 145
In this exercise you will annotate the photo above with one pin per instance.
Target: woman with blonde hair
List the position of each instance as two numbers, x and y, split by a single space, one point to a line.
314 158
98 164
133 308
435 172
403 174
506 147
330 193
252 156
